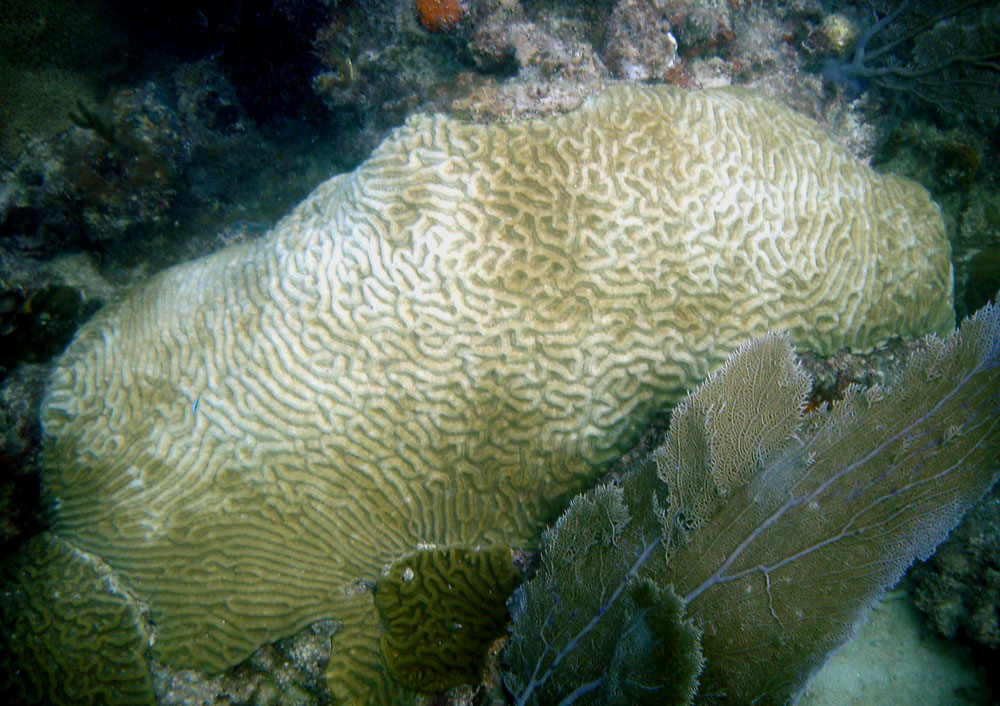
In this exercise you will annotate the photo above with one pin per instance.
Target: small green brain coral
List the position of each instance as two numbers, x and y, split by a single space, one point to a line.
441 609
71 634
441 347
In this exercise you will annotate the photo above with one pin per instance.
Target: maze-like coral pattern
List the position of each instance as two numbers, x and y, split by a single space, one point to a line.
70 633
444 345
441 610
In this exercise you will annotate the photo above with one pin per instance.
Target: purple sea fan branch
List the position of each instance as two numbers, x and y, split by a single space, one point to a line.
787 564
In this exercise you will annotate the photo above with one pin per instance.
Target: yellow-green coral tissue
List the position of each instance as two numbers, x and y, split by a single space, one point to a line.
441 347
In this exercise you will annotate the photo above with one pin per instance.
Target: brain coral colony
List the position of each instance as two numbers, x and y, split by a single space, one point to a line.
434 352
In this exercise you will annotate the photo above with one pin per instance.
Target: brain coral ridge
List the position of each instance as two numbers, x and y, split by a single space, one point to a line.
442 346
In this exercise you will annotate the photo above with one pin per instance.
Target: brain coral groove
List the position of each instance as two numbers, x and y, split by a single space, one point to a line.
441 346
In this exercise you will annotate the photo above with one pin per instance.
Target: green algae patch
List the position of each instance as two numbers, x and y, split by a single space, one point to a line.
441 610
71 634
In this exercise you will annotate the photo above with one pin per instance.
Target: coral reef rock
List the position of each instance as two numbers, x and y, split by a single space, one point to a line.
441 347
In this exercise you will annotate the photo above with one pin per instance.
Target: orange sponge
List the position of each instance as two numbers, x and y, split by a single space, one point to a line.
437 15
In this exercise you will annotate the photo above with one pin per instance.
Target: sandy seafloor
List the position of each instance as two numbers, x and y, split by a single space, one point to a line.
895 659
